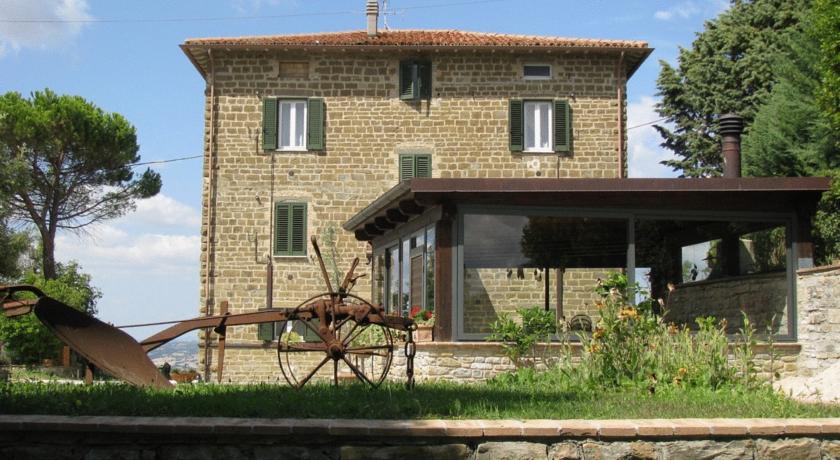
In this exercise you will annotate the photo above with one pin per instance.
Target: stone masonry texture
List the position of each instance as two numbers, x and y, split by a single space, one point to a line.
153 438
464 125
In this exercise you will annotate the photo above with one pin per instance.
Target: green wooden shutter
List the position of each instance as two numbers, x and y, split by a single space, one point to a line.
422 166
281 228
265 331
297 233
315 124
407 71
424 80
516 128
406 167
562 126
269 124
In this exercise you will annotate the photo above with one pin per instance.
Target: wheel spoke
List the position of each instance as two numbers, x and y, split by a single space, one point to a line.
350 337
317 368
301 347
356 371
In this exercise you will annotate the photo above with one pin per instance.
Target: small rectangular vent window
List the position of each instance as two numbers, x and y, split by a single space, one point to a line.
288 69
536 71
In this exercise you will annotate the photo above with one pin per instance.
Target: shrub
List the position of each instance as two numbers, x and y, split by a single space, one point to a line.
632 346
521 339
25 338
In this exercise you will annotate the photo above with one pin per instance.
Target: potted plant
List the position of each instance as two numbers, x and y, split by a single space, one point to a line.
425 320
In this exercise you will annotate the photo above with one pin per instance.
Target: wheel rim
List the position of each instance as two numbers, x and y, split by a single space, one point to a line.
363 351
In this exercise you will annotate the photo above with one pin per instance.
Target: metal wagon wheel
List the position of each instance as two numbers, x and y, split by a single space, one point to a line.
356 347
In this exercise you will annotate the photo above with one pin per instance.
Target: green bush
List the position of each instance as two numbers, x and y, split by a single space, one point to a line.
25 338
632 346
521 339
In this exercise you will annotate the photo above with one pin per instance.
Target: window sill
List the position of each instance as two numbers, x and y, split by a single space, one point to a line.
292 150
536 78
538 151
281 256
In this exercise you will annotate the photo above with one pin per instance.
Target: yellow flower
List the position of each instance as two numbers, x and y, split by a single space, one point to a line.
628 312
594 348
599 332
682 371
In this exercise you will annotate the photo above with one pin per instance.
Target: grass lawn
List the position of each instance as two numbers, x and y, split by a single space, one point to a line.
393 401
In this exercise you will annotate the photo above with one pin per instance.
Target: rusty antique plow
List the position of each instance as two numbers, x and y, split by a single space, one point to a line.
332 336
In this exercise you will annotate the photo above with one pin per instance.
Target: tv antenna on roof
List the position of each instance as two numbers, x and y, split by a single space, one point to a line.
385 14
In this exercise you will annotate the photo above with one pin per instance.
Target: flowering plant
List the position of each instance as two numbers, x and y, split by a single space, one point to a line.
421 316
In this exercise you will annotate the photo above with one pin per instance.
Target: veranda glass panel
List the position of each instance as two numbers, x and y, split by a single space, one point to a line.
521 261
724 269
392 257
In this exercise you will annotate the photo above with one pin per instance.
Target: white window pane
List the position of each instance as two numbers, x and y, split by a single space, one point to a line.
285 128
300 124
543 129
529 125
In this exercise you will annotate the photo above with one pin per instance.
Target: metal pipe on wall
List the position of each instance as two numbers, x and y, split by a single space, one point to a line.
211 211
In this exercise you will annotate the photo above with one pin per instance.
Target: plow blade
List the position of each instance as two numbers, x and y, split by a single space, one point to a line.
107 347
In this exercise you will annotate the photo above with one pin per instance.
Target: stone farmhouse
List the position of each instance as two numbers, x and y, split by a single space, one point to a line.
474 174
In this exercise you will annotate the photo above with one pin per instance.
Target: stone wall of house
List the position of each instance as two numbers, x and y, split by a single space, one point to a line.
762 297
818 308
464 126
491 291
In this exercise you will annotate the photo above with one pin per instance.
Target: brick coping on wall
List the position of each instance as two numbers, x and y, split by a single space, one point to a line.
472 429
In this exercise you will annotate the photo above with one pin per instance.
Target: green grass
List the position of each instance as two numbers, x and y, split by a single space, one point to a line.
392 401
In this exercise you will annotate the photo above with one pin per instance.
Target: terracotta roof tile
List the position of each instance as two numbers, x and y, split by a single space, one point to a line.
434 38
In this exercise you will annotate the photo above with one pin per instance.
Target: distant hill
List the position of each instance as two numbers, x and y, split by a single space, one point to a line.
179 354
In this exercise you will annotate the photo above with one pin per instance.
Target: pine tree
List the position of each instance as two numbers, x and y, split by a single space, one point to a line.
790 135
729 68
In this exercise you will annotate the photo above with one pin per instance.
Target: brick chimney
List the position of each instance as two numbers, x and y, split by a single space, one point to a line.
372 17
730 127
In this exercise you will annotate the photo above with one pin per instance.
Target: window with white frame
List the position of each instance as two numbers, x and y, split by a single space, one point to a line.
292 124
538 135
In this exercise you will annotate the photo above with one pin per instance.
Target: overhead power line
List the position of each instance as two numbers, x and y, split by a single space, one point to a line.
648 123
170 160
235 18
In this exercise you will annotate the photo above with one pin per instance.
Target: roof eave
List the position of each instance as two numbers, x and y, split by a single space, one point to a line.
187 49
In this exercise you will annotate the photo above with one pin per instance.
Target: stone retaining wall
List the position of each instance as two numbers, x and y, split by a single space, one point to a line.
151 438
467 362
817 294
763 298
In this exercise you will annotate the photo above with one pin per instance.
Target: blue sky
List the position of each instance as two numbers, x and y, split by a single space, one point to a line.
126 60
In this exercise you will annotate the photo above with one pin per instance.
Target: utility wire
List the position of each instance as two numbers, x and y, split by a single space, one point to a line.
157 162
234 18
648 123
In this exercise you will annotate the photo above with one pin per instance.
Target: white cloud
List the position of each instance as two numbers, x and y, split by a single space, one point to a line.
682 10
644 151
252 6
163 210
128 244
54 30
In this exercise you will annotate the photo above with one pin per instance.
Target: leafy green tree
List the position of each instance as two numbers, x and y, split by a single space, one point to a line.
25 338
793 134
67 164
12 246
826 31
827 225
790 135
729 68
